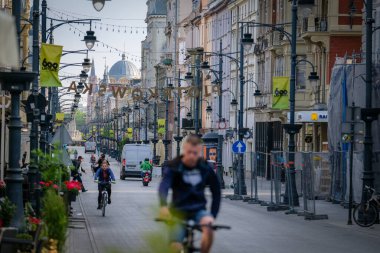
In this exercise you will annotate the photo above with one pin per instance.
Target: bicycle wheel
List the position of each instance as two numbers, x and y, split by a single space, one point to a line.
365 215
104 199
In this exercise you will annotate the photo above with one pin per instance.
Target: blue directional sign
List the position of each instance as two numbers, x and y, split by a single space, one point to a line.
239 147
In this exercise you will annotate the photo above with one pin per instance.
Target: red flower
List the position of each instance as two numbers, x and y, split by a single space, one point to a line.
34 220
2 184
73 185
42 183
55 186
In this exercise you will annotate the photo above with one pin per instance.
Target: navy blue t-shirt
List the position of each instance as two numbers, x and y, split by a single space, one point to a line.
188 186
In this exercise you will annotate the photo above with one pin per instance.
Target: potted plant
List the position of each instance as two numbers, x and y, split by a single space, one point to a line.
73 188
7 210
55 221
24 247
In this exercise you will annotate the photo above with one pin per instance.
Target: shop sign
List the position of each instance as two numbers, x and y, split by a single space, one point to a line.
310 116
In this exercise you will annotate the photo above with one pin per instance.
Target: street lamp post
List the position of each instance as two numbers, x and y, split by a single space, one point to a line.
33 169
368 113
291 194
166 141
146 109
178 138
220 136
155 140
197 52
241 187
15 83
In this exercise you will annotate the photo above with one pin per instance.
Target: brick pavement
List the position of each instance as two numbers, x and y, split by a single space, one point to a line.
129 222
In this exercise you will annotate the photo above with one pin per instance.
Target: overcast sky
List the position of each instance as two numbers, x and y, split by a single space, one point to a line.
124 20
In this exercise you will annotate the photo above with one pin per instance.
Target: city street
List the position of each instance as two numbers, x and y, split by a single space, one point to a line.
129 226
276 101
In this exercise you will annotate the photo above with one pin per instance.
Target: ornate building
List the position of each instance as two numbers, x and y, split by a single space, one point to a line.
154 43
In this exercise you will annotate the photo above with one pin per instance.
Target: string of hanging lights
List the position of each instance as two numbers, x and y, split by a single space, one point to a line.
117 28
108 47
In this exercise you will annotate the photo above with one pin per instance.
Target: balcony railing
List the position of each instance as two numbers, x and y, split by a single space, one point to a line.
319 24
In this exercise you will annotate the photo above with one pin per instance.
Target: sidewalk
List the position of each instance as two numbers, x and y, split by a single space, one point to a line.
337 214
80 238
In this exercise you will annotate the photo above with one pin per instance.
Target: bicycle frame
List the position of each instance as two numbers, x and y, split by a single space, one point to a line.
374 197
188 243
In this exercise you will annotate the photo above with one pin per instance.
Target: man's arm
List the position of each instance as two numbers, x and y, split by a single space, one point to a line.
165 185
215 191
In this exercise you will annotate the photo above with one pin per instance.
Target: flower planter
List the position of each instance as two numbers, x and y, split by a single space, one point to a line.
51 247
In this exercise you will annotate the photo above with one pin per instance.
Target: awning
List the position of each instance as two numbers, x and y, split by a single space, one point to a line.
62 136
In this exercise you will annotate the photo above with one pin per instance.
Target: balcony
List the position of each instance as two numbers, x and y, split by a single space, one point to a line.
314 24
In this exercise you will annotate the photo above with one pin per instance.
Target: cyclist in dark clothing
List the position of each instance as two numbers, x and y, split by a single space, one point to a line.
103 177
100 161
188 176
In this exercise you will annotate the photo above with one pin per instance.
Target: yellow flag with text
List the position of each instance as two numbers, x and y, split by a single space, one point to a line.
281 90
161 126
129 133
59 117
50 59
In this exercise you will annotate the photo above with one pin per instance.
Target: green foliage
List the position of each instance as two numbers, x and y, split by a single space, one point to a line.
55 218
7 210
24 236
80 119
51 167
22 247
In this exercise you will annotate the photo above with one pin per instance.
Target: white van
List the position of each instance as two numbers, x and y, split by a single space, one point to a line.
131 157
90 147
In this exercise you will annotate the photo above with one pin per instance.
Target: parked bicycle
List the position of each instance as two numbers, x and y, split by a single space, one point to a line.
366 214
190 227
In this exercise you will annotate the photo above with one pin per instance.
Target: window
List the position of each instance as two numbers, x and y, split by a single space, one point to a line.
279 66
252 5
280 11
301 74
261 74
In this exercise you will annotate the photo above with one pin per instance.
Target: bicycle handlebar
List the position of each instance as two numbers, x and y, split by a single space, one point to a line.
192 226
109 182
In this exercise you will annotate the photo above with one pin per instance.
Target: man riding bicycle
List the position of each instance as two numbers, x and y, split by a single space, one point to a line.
104 177
188 176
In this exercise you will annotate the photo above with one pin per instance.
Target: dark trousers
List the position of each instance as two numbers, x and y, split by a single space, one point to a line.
100 189
79 179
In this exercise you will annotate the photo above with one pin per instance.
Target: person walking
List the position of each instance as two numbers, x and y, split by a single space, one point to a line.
76 173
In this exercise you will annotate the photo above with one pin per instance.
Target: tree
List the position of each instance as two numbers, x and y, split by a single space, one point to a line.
80 119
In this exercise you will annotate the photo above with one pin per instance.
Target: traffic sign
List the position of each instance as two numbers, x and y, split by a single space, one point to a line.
239 147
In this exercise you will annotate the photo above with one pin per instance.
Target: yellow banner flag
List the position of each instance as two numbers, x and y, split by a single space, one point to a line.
59 117
129 133
161 126
281 90
50 59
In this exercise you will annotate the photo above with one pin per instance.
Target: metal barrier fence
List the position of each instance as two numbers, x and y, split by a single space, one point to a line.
268 175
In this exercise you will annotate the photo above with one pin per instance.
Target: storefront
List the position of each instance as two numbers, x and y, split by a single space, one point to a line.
313 135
